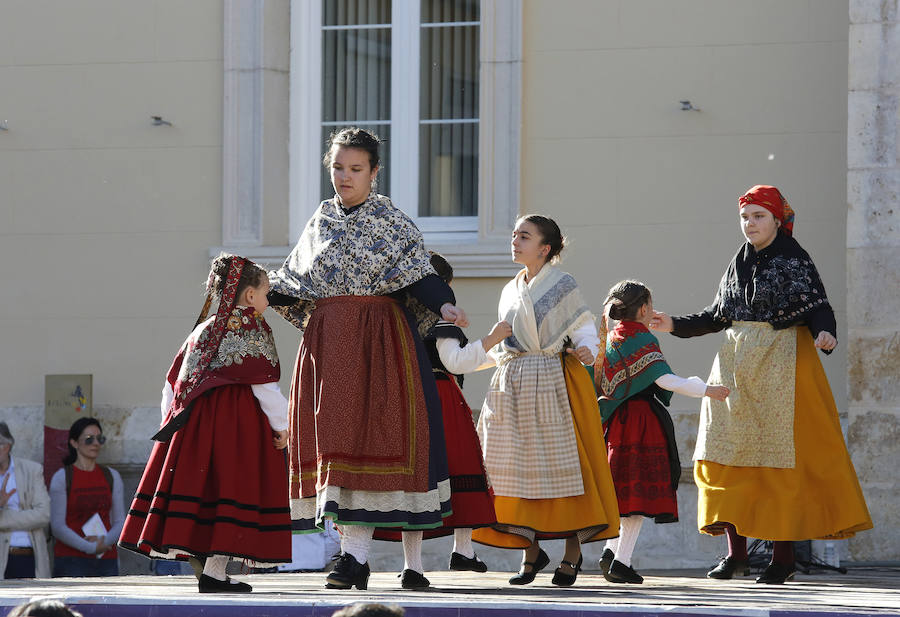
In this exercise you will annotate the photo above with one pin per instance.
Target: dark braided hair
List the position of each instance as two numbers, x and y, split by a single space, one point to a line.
251 276
441 266
353 137
625 298
550 234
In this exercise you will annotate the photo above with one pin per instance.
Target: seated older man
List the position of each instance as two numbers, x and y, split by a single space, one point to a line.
24 514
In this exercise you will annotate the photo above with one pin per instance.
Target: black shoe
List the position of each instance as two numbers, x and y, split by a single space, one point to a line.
348 572
606 560
208 584
523 577
776 574
620 573
472 564
729 567
410 579
564 579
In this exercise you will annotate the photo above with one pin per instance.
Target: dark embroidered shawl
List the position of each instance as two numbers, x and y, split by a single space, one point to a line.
779 285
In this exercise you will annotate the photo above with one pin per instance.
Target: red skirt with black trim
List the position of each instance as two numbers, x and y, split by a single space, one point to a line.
218 487
471 496
638 453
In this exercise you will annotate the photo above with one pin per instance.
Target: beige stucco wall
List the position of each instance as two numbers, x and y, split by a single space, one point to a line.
107 221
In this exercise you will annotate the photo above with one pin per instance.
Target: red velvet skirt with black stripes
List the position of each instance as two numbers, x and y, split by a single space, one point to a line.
219 487
471 496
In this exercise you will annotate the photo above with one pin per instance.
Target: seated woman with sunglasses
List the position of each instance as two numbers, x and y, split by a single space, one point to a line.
79 490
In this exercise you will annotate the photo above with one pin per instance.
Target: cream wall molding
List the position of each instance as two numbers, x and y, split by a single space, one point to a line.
242 186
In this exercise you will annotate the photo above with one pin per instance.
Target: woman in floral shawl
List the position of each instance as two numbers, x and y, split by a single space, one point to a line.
367 444
539 426
770 462
214 485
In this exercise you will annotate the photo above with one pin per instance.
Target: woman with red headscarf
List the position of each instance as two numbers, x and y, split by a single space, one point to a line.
770 461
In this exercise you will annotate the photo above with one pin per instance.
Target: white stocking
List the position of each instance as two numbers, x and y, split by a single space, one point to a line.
356 540
631 528
613 544
462 542
215 567
412 551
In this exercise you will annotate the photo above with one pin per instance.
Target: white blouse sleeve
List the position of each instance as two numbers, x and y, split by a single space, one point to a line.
461 360
586 336
692 386
168 395
117 511
273 404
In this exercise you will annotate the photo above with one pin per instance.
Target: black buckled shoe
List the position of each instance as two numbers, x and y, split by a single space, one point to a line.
564 579
471 564
729 567
208 584
606 560
620 573
523 577
410 579
776 574
348 572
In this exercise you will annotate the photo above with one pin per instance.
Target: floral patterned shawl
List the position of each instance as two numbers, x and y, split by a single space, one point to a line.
372 250
233 347
779 285
633 362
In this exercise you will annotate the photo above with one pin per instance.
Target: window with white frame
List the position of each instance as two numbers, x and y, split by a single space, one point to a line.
431 169
439 81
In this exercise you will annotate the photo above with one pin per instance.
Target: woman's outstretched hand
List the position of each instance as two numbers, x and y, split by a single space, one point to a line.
661 322
500 331
720 393
826 341
454 315
583 354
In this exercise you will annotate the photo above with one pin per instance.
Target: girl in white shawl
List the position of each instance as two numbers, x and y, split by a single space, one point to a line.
540 426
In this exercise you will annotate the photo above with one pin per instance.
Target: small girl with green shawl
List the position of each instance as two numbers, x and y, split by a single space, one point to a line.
635 385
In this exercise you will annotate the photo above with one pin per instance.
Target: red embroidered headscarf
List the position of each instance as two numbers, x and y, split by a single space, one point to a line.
772 200
250 357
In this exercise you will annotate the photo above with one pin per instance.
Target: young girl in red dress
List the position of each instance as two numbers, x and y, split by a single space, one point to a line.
636 384
215 486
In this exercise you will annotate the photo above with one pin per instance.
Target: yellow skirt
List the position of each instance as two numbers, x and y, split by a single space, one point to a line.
564 516
819 498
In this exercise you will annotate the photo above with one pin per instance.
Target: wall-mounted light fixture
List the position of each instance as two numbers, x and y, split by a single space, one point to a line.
158 121
687 106
3 125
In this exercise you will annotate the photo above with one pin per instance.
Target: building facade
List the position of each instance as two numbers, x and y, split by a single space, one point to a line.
142 137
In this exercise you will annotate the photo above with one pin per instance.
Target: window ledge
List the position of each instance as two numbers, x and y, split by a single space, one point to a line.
472 259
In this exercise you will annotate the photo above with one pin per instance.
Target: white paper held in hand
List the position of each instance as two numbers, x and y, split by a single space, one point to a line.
95 527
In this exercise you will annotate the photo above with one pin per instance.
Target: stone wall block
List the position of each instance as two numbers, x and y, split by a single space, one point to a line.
875 276
872 129
874 54
872 367
872 11
26 425
873 217
882 543
873 439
